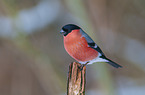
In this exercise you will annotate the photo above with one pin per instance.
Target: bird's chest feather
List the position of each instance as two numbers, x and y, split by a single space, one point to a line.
78 48
74 42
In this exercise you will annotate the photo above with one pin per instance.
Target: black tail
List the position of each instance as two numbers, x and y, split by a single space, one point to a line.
113 63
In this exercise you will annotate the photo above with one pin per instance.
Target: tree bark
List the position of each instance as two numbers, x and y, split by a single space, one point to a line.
76 79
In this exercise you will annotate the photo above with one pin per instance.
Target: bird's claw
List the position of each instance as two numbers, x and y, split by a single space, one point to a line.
82 66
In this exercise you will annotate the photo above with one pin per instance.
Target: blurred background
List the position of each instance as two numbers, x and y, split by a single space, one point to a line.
33 60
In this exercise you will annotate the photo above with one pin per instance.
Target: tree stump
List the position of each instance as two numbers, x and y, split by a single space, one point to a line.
76 79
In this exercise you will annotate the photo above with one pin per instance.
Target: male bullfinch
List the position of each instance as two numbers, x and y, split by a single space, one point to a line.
81 47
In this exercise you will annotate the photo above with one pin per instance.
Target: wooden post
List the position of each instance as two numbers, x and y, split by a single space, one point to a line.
76 79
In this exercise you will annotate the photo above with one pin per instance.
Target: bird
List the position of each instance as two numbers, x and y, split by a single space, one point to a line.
82 48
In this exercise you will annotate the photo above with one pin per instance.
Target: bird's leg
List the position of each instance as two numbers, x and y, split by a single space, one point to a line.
81 67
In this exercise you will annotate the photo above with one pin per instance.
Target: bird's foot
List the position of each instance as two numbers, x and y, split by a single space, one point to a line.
82 66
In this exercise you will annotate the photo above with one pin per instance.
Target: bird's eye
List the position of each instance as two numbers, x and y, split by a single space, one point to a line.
66 30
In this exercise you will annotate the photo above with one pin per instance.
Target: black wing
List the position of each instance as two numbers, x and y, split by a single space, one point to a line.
91 43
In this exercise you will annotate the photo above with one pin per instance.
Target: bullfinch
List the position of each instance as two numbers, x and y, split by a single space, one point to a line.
81 47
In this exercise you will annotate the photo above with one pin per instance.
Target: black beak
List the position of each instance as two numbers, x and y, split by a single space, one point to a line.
62 32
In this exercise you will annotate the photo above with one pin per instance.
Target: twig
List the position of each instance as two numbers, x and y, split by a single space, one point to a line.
76 79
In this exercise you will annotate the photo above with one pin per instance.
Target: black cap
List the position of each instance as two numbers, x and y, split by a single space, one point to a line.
68 28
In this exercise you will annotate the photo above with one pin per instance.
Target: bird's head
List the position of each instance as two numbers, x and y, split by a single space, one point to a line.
68 29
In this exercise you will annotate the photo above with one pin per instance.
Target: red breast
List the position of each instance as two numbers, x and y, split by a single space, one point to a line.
77 47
